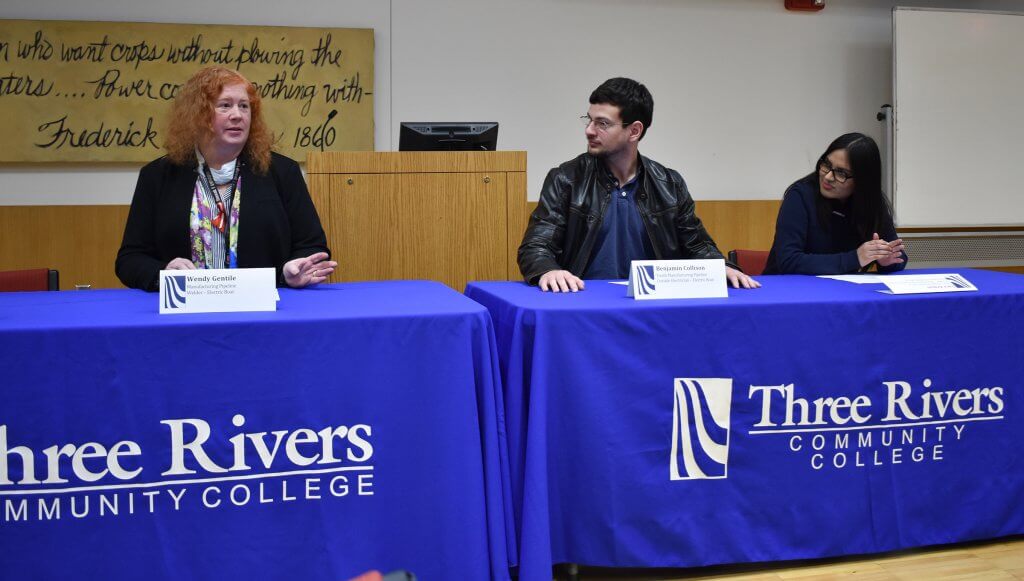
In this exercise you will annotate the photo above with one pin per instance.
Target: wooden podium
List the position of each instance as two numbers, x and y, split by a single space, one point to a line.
453 217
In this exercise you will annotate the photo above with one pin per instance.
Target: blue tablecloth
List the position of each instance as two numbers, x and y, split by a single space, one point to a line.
354 428
655 433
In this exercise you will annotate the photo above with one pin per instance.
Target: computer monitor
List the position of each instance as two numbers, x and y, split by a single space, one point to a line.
448 136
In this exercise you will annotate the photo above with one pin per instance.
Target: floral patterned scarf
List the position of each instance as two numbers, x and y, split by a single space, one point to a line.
202 230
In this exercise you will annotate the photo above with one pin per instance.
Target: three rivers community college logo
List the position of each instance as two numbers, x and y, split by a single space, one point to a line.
700 428
902 421
958 281
643 278
174 292
194 465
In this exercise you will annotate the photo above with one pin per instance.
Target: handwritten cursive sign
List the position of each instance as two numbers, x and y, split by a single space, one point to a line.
99 91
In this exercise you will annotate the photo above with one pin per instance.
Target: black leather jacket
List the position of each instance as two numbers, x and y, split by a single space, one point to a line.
565 225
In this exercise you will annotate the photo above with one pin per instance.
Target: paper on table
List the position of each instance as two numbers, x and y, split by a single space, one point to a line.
949 282
855 278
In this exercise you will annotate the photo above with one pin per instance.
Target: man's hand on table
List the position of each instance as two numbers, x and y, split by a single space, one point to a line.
560 281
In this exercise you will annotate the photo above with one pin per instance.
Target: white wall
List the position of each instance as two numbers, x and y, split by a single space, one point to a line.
746 93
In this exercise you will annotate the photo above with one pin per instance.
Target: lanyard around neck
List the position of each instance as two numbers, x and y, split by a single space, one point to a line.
220 220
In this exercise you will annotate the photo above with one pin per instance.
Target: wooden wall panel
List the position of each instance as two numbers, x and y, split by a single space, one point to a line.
82 241
446 216
79 241
319 186
456 234
363 208
388 226
747 224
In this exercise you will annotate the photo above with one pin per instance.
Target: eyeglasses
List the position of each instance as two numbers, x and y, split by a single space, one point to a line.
841 175
600 124
225 107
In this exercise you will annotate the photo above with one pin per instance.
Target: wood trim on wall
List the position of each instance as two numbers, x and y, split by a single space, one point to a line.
79 241
82 241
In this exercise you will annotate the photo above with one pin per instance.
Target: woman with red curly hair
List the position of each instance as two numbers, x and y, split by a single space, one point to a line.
188 212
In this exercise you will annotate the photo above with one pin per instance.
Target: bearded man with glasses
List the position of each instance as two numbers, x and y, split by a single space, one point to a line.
611 205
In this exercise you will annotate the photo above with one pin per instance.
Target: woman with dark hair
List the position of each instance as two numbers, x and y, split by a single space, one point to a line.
837 220
220 198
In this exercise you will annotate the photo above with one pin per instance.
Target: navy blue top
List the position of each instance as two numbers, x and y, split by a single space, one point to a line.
803 246
622 238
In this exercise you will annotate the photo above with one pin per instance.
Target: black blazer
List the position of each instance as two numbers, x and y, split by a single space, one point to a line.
277 220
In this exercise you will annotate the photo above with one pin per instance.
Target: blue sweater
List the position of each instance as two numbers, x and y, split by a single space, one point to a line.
803 246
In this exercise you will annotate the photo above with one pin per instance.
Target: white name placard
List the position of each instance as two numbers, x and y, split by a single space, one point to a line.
908 284
212 290
677 279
